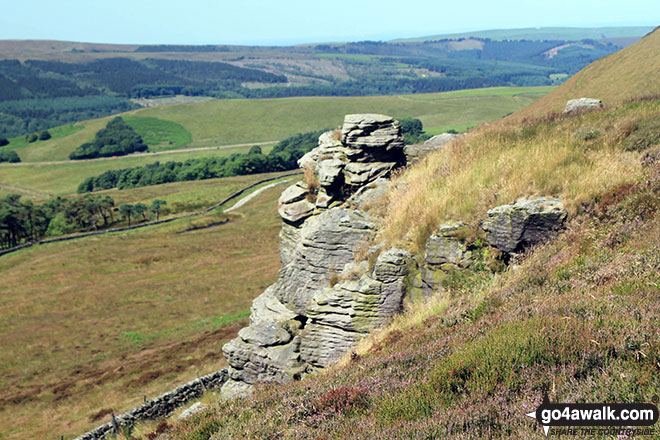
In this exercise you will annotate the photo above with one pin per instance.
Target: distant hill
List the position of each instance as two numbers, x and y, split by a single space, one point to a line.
546 33
631 72
44 84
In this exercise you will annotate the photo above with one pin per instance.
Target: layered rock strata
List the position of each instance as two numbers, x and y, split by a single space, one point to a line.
322 302
511 228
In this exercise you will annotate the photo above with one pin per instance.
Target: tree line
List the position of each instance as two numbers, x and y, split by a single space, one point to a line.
284 156
23 221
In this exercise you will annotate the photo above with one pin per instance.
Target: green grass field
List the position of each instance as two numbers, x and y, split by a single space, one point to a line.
175 298
158 134
64 178
240 121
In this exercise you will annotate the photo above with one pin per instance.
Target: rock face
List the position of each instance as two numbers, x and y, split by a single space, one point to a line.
511 228
445 251
322 302
583 105
417 151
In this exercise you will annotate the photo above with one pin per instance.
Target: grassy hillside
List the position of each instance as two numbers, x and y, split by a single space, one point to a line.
106 320
631 72
239 121
233 121
577 317
227 122
547 33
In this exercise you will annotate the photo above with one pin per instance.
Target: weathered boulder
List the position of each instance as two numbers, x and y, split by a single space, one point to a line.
447 247
293 205
359 174
417 151
511 228
371 132
583 105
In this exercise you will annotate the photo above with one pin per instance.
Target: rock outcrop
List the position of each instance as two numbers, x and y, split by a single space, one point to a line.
511 228
583 105
416 152
445 251
322 302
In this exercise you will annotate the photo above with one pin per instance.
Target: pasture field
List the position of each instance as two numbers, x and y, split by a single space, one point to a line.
61 178
230 123
159 134
95 324
238 121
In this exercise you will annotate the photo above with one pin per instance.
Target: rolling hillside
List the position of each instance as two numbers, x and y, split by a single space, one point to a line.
632 72
576 318
175 297
548 33
223 123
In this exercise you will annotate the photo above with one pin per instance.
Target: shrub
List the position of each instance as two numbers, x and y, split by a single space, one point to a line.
3 142
9 156
31 137
44 135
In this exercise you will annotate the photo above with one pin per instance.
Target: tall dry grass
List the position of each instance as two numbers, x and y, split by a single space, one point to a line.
503 162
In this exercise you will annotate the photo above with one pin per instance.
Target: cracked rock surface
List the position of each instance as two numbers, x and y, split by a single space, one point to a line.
323 303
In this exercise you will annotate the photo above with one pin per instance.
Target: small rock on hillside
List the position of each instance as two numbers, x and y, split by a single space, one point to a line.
583 105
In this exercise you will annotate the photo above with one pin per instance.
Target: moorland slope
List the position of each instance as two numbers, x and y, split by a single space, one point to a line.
576 318
627 74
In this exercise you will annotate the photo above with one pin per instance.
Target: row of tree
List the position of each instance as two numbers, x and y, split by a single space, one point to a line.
284 156
23 221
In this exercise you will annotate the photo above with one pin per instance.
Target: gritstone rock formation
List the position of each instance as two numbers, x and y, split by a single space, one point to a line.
322 302
511 228
417 151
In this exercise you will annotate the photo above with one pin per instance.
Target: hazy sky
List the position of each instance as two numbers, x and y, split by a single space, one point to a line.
297 21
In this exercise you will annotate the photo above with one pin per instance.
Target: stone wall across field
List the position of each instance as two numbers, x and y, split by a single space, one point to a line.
161 406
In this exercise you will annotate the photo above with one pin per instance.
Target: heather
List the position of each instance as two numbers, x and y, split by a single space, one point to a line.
576 318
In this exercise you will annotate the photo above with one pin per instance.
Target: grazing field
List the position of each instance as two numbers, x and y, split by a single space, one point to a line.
158 134
238 121
93 325
235 121
62 178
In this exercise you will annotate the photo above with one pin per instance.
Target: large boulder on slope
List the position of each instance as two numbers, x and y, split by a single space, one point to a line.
448 247
416 152
511 228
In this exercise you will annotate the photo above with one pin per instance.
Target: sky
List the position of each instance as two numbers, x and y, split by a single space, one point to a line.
279 22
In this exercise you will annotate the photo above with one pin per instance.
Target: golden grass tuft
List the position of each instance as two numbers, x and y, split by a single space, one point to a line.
503 162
